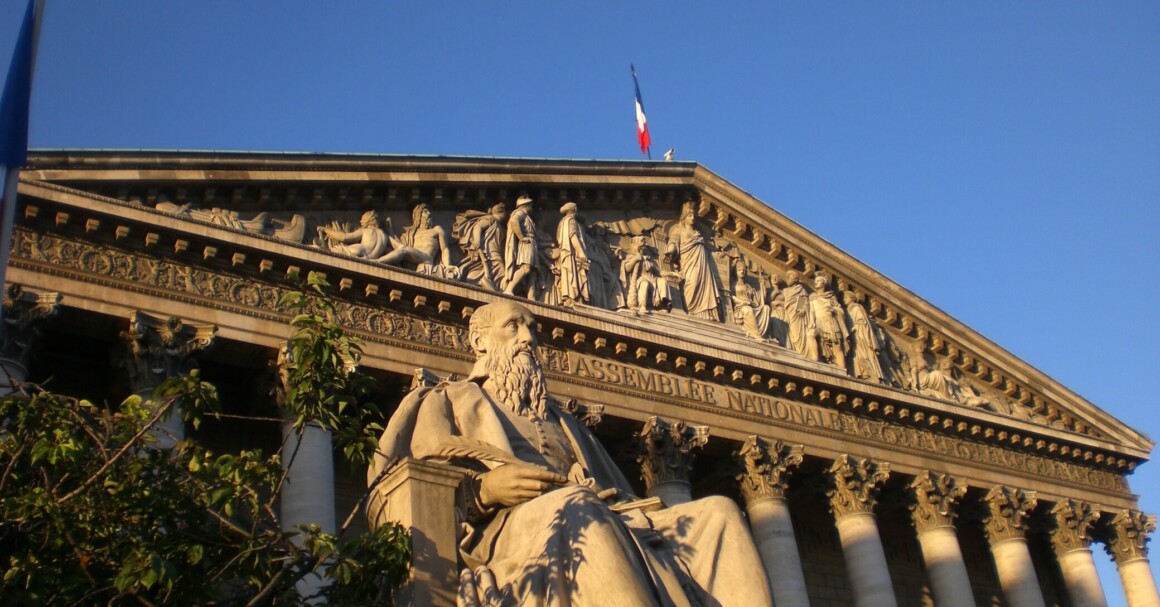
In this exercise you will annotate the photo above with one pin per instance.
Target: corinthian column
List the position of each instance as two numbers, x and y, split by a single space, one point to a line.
1071 538
666 457
852 499
1005 524
1128 546
933 516
158 349
766 468
23 311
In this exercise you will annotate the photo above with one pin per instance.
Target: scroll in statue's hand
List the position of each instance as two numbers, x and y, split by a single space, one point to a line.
512 484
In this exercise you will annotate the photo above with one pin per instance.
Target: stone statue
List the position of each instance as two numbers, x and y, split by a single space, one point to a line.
942 383
867 349
521 253
422 246
778 328
481 236
648 290
368 241
262 223
688 254
830 323
799 316
547 518
571 263
750 309
605 256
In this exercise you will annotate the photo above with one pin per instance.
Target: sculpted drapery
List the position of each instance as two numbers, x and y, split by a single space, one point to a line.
799 316
540 529
867 349
699 283
572 263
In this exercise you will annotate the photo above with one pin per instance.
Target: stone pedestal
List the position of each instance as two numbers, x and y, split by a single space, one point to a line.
1128 546
765 468
1005 525
420 496
852 499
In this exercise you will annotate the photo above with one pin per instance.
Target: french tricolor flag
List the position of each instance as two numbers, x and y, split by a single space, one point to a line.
641 121
14 124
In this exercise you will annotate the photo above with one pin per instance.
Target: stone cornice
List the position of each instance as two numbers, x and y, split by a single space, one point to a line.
739 363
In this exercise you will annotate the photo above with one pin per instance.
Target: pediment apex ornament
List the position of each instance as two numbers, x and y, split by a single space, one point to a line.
1129 536
1073 521
856 483
935 496
1008 509
158 347
765 467
665 450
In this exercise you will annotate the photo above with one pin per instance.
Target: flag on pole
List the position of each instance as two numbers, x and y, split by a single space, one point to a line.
14 123
641 121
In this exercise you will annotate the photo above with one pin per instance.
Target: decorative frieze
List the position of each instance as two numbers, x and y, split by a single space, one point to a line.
934 500
666 450
765 467
1072 524
1007 510
1129 535
856 483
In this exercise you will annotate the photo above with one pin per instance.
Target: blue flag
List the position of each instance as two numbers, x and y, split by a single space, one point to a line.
18 93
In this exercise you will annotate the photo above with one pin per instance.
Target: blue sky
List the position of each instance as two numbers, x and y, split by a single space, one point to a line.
1001 160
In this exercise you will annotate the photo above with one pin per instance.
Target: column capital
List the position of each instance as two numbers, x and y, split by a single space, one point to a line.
765 467
666 450
856 485
1129 536
157 348
589 414
23 307
1007 510
934 499
1072 524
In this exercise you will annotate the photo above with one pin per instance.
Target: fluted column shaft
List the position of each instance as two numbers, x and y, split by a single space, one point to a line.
1005 525
1071 539
765 467
933 516
1128 546
856 485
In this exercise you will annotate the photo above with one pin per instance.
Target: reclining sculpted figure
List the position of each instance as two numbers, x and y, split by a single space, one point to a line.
548 517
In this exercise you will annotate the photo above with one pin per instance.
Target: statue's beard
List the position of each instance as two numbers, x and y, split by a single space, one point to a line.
517 381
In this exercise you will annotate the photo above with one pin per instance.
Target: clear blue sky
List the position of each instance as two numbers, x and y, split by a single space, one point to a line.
1001 160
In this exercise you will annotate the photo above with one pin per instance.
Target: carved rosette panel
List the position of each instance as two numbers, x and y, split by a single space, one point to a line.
1007 512
23 311
1129 536
766 467
935 496
856 485
157 348
665 450
1073 521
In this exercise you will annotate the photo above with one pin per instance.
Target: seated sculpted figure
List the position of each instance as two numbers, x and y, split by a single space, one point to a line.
543 512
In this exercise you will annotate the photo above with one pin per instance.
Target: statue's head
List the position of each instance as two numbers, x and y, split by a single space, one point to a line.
421 215
523 202
792 277
821 281
503 336
497 210
569 208
740 268
849 298
370 219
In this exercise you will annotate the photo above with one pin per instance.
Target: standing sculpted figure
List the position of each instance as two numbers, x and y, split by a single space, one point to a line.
749 307
830 321
481 236
647 288
572 263
800 318
688 253
521 254
539 527
867 349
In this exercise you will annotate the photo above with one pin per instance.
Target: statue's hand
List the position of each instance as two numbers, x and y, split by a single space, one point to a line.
512 484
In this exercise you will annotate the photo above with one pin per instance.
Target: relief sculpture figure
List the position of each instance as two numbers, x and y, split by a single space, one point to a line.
481 236
422 246
749 307
547 518
368 241
830 323
867 349
689 255
800 318
521 253
604 284
262 223
648 290
572 263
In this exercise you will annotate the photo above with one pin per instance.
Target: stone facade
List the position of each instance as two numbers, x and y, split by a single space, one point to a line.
714 345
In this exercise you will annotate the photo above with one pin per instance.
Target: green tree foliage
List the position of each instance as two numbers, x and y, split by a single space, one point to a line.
91 513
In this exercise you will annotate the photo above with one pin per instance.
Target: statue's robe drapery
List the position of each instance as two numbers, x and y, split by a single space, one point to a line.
866 346
567 547
572 281
520 248
699 284
800 318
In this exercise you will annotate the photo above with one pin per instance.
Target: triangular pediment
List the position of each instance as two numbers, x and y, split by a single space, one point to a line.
742 280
